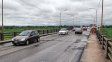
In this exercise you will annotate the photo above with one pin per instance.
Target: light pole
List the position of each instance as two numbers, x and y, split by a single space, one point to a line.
2 23
73 18
61 17
102 14
60 20
95 20
96 17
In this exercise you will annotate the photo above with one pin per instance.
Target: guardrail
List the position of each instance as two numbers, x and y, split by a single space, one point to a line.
13 34
106 44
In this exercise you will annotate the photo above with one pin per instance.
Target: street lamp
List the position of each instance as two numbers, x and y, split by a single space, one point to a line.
95 21
102 14
73 18
2 28
61 17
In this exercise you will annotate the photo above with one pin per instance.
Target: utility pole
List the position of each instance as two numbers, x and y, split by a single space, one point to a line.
73 21
2 23
60 20
102 13
74 18
96 18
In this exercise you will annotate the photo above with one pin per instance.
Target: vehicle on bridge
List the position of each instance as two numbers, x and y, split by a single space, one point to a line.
78 30
63 31
84 28
26 37
73 29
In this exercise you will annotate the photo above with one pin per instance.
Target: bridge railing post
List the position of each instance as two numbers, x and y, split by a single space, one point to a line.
1 37
38 31
109 50
107 46
14 34
42 31
47 32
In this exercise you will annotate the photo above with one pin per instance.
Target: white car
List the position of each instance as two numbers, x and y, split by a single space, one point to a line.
63 31
78 30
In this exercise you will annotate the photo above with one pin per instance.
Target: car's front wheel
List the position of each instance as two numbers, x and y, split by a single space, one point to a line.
35 40
27 42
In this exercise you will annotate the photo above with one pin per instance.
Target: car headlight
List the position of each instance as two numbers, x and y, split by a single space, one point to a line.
12 39
23 39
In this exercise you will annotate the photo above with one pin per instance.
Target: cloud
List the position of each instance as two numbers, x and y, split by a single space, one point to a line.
47 12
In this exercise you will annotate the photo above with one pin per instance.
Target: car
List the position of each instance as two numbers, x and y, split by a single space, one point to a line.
78 30
63 31
73 29
84 28
26 37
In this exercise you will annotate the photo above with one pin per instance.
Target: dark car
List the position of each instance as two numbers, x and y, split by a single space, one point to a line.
26 37
84 28
73 29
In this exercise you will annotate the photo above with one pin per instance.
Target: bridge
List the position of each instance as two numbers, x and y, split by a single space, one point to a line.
85 47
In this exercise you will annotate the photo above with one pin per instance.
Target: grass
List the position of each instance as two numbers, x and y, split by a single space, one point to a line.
19 29
107 32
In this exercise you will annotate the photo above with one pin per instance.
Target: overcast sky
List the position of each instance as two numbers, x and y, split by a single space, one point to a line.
47 12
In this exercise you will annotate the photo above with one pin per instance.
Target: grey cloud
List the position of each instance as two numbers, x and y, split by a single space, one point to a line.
46 12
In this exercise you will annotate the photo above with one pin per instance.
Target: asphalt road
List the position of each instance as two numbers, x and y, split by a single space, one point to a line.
52 48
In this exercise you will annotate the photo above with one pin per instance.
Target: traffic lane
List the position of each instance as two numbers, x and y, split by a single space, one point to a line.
44 38
68 50
49 37
73 53
31 50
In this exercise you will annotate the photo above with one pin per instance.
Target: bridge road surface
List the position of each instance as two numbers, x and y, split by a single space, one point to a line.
65 48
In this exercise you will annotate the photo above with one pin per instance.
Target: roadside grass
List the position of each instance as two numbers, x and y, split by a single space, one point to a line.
8 37
28 28
107 32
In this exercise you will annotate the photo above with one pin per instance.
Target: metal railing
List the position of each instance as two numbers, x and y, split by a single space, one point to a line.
9 35
106 44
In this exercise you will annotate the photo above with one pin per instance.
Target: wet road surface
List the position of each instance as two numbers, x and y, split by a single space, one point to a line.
54 48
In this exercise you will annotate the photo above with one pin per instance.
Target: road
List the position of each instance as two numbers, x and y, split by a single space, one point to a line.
52 48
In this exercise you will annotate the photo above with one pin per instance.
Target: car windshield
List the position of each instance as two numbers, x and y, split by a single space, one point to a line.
24 33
